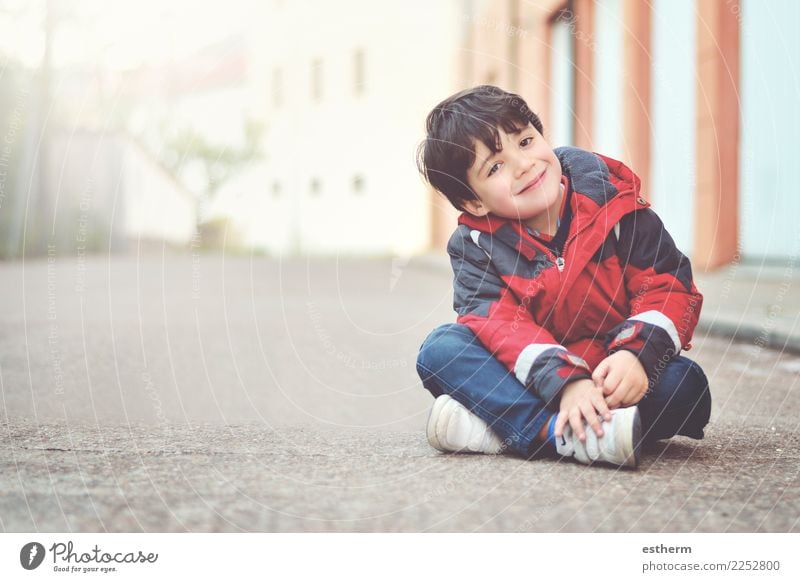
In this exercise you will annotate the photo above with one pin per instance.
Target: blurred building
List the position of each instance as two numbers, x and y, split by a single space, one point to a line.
697 96
111 194
342 89
189 112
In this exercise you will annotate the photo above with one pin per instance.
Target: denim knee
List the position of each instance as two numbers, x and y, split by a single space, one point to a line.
698 398
681 400
686 384
443 345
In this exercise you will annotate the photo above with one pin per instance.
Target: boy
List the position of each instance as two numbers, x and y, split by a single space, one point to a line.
573 302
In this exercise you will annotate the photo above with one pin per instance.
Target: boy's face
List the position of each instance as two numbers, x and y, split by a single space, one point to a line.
521 181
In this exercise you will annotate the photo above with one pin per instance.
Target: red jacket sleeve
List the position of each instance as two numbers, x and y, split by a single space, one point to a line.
503 323
664 302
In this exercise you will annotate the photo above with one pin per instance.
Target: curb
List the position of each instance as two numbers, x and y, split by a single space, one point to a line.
760 337
737 329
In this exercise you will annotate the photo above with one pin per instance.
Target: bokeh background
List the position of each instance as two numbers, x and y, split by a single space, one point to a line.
267 126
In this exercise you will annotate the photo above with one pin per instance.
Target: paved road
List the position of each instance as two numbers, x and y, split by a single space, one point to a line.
234 394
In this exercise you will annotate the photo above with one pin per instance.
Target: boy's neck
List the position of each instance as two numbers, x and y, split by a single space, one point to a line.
547 221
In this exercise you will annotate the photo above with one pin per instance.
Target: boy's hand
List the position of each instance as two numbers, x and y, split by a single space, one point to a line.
622 379
582 401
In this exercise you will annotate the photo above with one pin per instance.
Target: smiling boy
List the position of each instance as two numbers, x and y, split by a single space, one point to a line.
535 200
573 302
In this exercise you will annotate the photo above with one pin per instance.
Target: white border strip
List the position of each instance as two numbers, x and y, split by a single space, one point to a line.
528 356
660 320
257 556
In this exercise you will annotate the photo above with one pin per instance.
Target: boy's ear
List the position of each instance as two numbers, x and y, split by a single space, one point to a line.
475 207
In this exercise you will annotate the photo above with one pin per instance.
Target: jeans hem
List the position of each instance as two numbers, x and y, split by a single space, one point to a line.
519 443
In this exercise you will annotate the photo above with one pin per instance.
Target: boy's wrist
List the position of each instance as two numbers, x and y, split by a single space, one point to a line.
576 385
575 393
550 373
650 342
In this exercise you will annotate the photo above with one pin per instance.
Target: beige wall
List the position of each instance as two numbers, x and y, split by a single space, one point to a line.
509 45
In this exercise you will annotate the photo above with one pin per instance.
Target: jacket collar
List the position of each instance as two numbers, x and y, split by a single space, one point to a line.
586 212
510 232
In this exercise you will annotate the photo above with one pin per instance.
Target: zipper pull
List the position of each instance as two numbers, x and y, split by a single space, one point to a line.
560 263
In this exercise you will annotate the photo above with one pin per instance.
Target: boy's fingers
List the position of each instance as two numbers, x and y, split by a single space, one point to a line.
613 399
631 394
576 422
643 389
561 420
635 396
599 373
611 381
602 407
592 419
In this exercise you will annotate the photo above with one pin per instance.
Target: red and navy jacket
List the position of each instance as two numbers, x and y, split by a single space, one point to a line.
619 282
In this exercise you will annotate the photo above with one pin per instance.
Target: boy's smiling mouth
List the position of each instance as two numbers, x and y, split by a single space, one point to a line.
537 181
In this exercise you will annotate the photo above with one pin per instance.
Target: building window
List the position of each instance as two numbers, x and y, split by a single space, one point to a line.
316 79
358 185
562 81
358 72
607 92
316 187
277 88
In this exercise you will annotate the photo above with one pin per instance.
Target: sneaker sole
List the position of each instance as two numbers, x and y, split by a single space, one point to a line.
448 417
632 440
443 424
637 438
433 417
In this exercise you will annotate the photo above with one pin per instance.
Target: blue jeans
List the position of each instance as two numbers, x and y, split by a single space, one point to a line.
452 361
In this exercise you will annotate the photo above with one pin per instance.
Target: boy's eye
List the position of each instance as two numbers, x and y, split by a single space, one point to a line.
493 169
526 141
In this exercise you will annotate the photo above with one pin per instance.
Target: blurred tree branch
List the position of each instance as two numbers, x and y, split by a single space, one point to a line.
219 163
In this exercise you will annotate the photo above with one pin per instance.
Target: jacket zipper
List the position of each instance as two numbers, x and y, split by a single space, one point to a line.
558 258
589 223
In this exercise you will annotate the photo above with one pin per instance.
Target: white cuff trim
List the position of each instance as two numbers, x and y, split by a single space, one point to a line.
660 320
528 356
475 236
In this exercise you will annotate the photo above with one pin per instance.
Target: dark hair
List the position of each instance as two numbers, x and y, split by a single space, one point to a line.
452 128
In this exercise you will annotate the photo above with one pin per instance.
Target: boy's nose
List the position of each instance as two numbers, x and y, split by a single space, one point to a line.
522 164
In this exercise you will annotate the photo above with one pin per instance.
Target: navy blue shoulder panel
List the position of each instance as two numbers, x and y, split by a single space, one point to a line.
476 285
587 173
499 249
645 243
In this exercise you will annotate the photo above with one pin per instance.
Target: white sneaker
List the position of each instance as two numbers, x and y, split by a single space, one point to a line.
452 428
618 446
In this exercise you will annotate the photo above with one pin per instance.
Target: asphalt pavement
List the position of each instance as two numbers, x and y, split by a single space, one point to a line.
236 393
